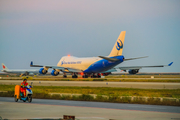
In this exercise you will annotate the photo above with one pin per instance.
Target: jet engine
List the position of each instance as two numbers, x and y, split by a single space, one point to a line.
54 73
133 71
43 71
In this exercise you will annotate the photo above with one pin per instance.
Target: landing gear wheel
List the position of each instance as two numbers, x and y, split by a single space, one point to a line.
29 98
15 98
64 76
74 76
99 75
85 76
93 76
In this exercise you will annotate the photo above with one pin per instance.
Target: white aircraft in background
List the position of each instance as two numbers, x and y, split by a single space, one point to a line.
19 71
94 66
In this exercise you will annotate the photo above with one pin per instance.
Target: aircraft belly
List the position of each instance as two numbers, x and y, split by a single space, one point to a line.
101 66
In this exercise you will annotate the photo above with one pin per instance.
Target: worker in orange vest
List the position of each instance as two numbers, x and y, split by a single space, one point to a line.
23 87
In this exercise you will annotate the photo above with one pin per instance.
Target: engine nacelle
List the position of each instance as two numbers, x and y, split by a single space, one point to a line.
133 71
43 71
105 74
54 73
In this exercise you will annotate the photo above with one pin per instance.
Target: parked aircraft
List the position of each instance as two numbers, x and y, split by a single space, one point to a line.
19 71
94 66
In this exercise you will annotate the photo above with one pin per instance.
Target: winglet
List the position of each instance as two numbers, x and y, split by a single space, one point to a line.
170 64
135 58
31 64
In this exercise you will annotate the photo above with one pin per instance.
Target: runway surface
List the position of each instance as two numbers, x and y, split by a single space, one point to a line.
80 77
142 85
42 108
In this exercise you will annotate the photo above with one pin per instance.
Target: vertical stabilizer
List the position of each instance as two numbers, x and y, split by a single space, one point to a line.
4 66
118 47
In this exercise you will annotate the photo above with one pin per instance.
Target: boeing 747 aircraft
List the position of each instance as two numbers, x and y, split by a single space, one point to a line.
94 66
19 71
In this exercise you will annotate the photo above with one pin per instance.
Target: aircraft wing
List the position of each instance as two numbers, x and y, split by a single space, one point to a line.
139 67
63 69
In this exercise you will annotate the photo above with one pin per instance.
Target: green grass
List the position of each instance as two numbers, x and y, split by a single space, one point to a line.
108 91
113 94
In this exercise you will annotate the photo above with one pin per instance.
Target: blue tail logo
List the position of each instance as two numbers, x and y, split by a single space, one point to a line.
118 47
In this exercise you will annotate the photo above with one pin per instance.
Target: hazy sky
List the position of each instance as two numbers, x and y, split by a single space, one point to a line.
45 30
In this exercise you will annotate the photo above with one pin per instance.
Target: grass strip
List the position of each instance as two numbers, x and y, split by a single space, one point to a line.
114 94
84 97
108 91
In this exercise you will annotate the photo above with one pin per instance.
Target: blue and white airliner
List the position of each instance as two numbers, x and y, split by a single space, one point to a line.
94 66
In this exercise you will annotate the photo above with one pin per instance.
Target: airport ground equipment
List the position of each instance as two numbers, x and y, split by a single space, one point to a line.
18 95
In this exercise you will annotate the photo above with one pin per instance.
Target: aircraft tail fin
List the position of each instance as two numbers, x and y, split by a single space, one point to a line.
118 46
4 66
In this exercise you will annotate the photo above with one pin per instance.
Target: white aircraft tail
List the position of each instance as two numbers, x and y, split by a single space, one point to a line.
4 66
118 47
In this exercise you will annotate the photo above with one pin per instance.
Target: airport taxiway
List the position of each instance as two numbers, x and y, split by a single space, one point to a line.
42 108
142 85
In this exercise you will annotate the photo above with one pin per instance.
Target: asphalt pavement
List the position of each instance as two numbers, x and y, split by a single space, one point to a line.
42 108
142 85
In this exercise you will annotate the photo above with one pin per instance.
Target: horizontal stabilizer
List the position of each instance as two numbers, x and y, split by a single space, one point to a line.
109 59
135 58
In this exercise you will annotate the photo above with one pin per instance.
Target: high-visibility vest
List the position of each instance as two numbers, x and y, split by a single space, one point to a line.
23 84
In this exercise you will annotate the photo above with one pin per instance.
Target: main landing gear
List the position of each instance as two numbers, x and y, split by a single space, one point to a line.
98 75
85 76
64 76
74 75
